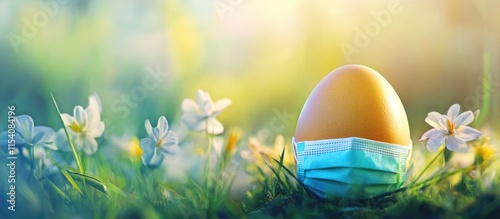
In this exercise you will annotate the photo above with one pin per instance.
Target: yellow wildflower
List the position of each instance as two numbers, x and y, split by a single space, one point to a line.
484 153
134 147
233 138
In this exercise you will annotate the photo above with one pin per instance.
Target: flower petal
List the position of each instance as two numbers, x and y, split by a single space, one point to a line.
80 116
146 156
194 122
67 119
455 144
147 145
171 150
466 133
93 116
156 133
464 118
189 105
149 129
25 153
25 127
89 145
162 127
431 134
204 101
36 138
39 152
153 158
96 130
95 102
453 112
47 138
214 126
169 140
477 113
434 143
434 120
78 140
61 141
220 105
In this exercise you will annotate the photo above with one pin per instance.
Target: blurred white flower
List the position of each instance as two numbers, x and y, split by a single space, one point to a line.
83 127
29 135
200 115
451 129
254 154
161 141
95 102
129 144
43 163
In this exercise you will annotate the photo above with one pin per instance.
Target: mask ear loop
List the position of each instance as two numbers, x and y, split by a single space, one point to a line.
294 146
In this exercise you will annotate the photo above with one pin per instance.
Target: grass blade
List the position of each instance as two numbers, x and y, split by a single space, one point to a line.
57 189
71 181
284 186
90 180
487 90
73 149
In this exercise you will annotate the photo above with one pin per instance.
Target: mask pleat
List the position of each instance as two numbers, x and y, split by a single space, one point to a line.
354 159
354 176
326 188
354 168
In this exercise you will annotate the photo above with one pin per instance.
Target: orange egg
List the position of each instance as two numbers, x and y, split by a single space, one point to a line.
354 101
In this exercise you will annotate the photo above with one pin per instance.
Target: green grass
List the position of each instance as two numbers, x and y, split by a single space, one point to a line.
134 191
112 184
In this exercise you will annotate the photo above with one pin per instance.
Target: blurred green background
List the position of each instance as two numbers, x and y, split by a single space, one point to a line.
264 55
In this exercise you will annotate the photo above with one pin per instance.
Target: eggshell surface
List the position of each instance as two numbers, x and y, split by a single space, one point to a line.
353 101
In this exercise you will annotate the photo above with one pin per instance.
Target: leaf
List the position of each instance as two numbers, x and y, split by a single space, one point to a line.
57 189
90 180
71 181
291 174
278 177
117 190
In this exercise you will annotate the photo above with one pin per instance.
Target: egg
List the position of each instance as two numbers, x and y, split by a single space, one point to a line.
354 101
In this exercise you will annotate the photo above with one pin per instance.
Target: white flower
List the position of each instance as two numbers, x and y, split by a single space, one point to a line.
83 127
451 128
200 115
42 160
161 141
29 135
95 101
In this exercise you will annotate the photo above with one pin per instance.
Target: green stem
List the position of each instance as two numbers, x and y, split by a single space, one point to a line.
427 167
73 149
32 156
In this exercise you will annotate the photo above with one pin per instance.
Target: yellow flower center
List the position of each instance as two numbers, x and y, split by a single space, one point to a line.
75 127
159 143
451 127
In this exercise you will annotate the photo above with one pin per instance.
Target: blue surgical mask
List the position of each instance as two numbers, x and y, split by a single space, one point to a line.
353 168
